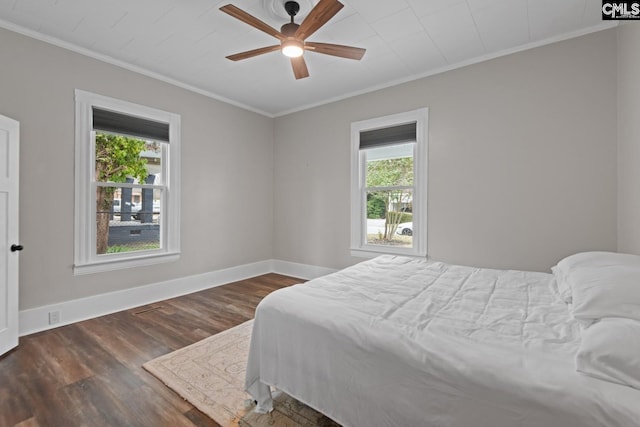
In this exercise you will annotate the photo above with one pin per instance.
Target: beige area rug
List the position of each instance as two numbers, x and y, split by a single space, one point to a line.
210 375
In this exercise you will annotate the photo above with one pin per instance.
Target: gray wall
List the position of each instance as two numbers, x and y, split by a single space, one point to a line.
522 160
629 138
227 165
523 164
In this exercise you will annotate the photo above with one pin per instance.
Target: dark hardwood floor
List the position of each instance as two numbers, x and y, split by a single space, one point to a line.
90 373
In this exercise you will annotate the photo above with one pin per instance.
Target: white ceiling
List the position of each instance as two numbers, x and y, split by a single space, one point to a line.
185 41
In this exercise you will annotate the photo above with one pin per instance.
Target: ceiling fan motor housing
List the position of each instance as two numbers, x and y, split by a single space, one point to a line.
289 29
292 8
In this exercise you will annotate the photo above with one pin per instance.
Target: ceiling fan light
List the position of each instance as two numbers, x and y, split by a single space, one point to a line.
292 48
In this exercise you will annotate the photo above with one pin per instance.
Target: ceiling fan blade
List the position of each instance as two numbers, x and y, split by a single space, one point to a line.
348 52
299 67
319 15
252 53
251 20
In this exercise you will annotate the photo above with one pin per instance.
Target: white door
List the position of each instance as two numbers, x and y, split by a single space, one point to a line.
9 244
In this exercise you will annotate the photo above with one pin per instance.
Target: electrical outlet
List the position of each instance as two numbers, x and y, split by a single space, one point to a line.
54 317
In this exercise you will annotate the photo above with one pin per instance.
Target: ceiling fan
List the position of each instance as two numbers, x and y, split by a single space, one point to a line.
293 36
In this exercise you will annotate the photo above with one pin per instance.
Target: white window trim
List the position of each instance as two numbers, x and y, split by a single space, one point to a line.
359 246
85 259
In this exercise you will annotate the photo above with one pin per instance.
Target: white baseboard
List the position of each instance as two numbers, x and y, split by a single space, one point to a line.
37 319
303 271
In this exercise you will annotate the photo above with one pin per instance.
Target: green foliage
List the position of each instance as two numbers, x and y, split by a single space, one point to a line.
133 247
376 206
116 249
384 173
405 217
118 157
393 172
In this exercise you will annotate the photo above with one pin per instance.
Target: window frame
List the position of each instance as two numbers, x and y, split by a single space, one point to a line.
359 245
86 260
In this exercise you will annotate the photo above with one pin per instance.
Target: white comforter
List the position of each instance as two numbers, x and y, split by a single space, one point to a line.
396 341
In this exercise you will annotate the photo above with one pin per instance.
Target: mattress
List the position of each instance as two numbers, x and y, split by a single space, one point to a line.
396 341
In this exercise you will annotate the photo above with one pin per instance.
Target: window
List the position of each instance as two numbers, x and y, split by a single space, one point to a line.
389 185
127 203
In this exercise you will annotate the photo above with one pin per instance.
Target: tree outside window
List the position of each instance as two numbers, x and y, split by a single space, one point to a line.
389 182
117 158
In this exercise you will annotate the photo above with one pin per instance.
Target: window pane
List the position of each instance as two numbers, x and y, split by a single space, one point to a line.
390 165
127 219
125 159
390 218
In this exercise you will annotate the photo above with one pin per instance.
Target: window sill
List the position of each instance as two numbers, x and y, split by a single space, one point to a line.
372 252
101 266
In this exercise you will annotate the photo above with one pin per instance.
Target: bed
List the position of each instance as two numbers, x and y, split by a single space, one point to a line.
396 341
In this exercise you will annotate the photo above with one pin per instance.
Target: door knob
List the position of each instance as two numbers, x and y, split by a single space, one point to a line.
16 248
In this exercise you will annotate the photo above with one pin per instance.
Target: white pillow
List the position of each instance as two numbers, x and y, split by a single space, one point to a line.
606 292
562 285
610 351
593 259
562 270
602 284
